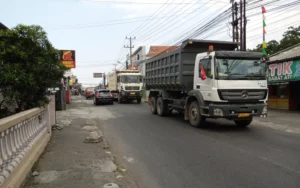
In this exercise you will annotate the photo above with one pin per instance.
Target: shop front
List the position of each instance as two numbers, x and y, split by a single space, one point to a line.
284 85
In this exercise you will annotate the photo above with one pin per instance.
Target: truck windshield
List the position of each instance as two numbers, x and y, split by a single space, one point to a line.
236 69
131 79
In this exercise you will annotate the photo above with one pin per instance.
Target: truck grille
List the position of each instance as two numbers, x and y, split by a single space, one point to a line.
132 88
242 95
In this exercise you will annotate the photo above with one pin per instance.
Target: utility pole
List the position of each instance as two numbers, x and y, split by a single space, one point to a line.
126 64
104 81
232 23
241 27
235 21
130 48
245 23
115 67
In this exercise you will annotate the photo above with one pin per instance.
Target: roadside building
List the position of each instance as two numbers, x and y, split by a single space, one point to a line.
3 27
138 57
284 79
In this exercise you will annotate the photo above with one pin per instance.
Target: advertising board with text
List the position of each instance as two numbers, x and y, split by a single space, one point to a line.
67 58
286 71
98 75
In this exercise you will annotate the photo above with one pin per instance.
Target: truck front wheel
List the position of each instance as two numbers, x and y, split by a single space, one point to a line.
162 107
153 105
195 117
138 100
243 123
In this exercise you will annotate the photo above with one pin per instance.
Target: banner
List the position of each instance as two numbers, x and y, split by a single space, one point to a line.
286 71
98 75
67 58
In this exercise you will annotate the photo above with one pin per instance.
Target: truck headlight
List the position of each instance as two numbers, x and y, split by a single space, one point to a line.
265 110
218 112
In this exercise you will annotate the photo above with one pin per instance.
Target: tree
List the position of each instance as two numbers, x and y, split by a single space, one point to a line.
290 38
273 47
29 64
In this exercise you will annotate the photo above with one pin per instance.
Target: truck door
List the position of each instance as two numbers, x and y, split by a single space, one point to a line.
204 86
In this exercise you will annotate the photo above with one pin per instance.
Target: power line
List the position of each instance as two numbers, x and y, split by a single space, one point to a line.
153 15
149 19
156 29
275 30
141 3
179 25
115 22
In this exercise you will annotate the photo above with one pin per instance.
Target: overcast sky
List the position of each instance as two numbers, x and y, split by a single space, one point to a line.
96 29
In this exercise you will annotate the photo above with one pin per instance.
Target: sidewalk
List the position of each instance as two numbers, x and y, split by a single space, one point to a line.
69 162
282 120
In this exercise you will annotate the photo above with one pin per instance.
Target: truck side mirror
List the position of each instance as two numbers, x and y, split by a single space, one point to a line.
118 79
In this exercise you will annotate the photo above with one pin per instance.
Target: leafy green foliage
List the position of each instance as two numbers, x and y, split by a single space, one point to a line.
29 64
290 38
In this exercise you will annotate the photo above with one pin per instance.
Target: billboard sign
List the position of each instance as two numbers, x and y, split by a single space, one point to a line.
286 71
67 58
98 75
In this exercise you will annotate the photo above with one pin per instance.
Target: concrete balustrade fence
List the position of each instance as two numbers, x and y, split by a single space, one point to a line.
23 137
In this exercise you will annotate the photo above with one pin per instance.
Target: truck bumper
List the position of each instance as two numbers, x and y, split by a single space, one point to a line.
131 94
237 111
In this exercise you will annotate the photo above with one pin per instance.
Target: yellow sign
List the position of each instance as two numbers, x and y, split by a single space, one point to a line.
68 64
67 58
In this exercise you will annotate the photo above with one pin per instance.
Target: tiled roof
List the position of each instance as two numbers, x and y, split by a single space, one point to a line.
156 50
291 52
2 26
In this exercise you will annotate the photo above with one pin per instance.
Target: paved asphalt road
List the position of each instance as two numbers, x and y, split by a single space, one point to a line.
165 152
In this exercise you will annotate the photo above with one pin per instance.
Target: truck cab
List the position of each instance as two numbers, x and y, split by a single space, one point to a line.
129 86
232 83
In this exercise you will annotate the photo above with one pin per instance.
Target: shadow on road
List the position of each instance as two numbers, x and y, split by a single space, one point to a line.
219 125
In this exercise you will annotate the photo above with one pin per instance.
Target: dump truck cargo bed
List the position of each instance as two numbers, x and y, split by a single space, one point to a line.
175 70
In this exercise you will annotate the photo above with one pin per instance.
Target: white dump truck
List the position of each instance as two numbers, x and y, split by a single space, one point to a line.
126 85
208 79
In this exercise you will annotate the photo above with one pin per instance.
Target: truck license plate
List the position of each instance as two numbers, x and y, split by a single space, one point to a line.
243 115
132 93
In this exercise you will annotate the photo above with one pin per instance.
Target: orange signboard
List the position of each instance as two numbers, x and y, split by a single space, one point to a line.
67 58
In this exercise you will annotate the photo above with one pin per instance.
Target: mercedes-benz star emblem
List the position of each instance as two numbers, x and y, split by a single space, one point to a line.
244 94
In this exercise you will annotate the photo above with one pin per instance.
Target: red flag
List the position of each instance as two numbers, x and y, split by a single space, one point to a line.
263 9
203 73
264 31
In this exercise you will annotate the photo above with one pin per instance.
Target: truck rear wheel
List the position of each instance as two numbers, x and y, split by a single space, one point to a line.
195 117
243 123
162 107
153 105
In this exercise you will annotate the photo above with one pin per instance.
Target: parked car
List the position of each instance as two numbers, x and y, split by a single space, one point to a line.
89 92
103 96
75 91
